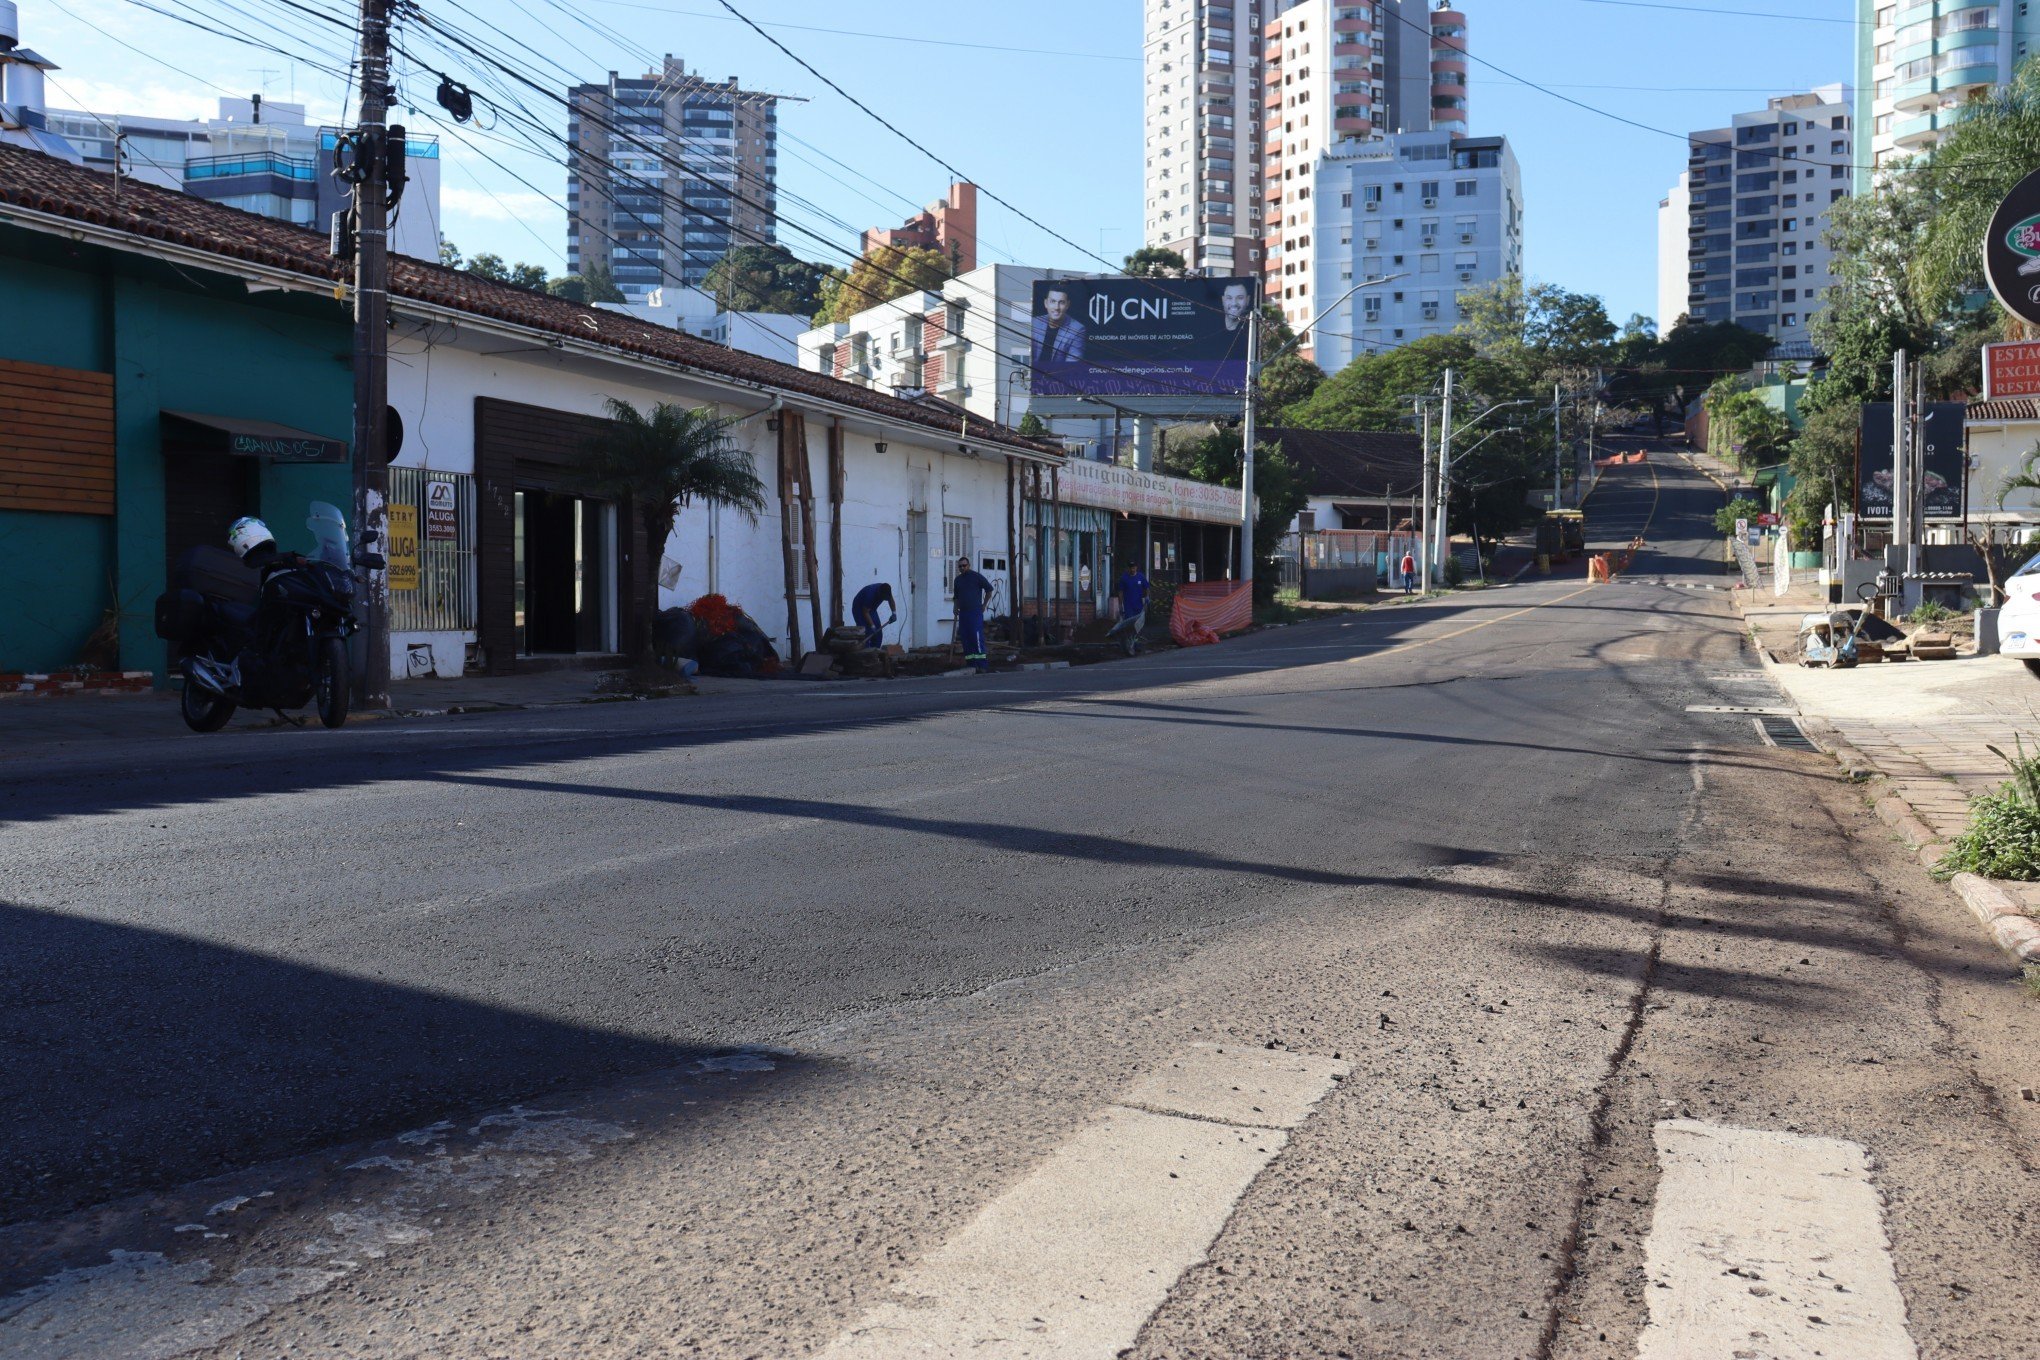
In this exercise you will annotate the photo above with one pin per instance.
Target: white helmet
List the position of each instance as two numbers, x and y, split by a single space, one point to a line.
248 533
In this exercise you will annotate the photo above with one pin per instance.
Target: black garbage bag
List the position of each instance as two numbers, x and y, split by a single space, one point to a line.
675 634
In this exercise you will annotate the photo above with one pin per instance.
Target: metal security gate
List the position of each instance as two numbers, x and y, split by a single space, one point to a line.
444 601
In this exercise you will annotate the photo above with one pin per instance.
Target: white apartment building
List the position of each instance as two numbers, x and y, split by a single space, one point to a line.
1672 213
770 335
1919 61
1340 74
965 345
1445 212
1758 195
1202 131
1214 110
258 155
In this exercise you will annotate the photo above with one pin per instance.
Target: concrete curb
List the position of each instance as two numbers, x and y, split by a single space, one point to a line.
1994 905
2015 932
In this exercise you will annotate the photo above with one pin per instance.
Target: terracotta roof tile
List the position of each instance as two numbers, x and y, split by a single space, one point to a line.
2006 408
44 184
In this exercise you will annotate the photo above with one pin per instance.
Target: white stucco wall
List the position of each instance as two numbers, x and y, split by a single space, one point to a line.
717 549
1997 450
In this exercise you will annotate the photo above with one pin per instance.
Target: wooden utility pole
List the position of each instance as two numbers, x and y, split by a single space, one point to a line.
371 341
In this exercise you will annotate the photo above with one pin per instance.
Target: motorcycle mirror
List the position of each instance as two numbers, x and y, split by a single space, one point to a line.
373 561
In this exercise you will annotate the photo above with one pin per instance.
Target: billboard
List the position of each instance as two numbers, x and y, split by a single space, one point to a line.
1942 425
1126 337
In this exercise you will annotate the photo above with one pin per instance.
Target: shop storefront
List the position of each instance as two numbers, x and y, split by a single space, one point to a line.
1086 522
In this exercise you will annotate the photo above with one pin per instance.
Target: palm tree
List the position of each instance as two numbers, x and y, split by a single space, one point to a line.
662 460
1994 145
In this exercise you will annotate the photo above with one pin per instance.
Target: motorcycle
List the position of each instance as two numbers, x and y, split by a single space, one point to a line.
269 636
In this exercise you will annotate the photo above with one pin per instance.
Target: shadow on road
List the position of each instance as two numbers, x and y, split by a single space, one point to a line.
138 1058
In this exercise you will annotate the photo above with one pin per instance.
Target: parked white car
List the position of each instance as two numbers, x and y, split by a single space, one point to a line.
2019 619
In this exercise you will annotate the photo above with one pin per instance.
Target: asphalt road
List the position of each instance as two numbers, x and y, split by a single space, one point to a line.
711 1028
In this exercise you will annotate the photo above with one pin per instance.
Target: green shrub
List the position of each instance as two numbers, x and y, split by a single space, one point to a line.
1455 571
2003 837
1930 611
1740 508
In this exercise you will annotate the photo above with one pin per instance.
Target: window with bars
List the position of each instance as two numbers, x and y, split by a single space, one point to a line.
955 545
445 598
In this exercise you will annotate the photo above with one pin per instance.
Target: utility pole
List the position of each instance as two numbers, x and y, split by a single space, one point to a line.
371 341
1444 479
1247 452
1901 465
1557 449
1422 524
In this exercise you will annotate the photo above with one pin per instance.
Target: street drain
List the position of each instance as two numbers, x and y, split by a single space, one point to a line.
1783 732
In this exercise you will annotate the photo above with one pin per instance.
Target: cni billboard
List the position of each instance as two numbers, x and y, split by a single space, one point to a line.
1126 337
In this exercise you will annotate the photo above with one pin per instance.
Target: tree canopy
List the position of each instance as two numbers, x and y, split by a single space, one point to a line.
767 279
1156 262
879 276
593 284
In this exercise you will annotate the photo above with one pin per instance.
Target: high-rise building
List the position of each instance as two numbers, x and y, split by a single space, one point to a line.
1443 212
1351 70
948 225
1673 218
1919 61
1758 195
666 173
1340 76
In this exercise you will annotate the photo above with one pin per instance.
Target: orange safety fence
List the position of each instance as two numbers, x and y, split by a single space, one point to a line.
1605 567
1205 610
1615 459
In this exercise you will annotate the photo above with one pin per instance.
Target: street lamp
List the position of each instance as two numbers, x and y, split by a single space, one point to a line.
1247 414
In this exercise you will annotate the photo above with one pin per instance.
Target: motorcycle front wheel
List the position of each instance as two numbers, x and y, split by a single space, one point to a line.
203 710
332 683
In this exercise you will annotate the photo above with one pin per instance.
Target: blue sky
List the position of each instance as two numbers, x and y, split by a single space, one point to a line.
1039 102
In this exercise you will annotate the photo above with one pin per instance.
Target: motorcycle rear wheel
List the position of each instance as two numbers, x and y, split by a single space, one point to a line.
332 683
203 710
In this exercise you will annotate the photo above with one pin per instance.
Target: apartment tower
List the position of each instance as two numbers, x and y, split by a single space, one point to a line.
666 173
1918 63
1216 107
1338 78
1757 195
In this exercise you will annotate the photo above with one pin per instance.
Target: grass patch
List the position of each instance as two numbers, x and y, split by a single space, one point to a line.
2003 836
2030 976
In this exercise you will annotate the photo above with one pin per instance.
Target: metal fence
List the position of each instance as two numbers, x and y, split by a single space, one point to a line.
445 598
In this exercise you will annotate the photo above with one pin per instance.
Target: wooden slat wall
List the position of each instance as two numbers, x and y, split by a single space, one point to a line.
56 439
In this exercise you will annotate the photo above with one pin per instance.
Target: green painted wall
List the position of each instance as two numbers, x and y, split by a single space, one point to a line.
174 339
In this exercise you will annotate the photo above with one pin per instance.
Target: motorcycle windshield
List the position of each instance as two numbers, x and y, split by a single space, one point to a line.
329 535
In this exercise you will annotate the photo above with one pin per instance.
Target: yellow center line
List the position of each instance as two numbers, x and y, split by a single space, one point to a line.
1516 614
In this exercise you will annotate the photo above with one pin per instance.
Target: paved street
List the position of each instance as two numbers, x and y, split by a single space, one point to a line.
1421 982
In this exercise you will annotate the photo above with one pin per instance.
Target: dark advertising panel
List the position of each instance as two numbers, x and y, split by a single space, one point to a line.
1121 337
1942 432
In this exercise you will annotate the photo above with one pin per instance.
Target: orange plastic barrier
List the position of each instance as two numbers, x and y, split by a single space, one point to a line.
1205 610
1605 567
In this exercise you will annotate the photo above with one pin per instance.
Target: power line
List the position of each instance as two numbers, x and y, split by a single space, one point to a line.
879 37
1739 13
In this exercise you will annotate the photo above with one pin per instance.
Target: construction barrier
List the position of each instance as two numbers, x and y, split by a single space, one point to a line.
1617 459
1605 567
1207 609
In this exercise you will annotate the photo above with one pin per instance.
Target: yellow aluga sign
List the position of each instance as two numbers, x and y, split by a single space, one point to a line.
403 547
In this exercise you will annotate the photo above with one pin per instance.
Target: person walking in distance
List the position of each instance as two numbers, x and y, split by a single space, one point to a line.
1133 597
864 612
1409 573
972 592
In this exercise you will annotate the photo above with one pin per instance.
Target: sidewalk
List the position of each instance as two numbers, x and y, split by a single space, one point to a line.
1923 731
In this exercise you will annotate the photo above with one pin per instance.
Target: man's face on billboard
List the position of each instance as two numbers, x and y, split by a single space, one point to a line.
1057 305
1235 304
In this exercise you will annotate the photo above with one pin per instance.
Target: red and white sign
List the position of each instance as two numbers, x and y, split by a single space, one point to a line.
1108 487
1768 520
2011 370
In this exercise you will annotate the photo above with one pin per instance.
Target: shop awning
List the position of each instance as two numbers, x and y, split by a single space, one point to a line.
250 438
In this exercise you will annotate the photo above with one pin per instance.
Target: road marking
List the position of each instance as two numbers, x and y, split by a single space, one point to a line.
1753 709
1768 1244
1073 1260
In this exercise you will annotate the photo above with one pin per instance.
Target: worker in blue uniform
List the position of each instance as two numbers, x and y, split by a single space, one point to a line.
864 612
972 592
